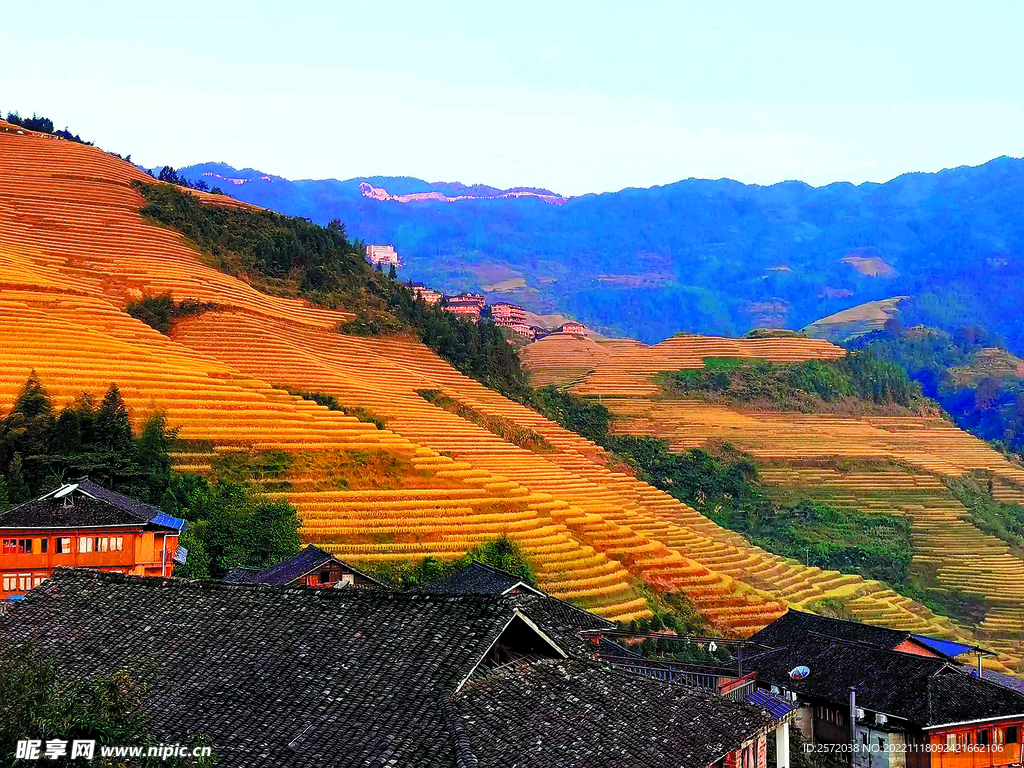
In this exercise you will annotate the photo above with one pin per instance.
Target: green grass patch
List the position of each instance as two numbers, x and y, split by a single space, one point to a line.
497 425
333 404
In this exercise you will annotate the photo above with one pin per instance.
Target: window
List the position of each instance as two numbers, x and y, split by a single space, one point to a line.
10 583
85 543
17 546
38 579
999 734
44 545
983 738
881 744
1011 734
325 576
63 545
119 544
102 544
24 582
950 742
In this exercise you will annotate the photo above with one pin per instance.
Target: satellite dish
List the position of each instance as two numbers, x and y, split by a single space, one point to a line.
712 647
799 673
60 494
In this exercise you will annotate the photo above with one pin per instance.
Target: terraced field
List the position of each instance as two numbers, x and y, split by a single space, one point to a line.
892 464
74 250
623 367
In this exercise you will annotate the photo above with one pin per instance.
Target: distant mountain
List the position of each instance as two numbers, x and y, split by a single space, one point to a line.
716 257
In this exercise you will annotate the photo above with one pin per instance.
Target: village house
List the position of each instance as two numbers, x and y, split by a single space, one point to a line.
898 699
572 327
469 305
384 255
429 295
277 675
84 524
469 298
508 315
513 317
312 567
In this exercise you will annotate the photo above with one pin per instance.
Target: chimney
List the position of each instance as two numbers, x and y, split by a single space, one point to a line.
853 727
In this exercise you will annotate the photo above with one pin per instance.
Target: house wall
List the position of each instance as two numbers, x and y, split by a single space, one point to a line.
753 754
965 747
879 748
831 724
141 553
909 646
334 573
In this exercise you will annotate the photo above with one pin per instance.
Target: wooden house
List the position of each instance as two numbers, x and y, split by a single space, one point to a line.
82 524
893 699
312 567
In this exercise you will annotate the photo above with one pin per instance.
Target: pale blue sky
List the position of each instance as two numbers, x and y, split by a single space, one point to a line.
574 96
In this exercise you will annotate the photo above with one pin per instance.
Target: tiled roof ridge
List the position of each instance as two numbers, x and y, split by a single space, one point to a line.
106 493
464 757
851 622
941 661
63 574
962 673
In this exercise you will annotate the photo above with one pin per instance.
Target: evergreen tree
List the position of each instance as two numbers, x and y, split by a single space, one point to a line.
113 426
392 272
30 429
154 447
5 500
17 487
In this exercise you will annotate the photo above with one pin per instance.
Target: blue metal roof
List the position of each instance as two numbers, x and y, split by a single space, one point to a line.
945 647
773 705
162 518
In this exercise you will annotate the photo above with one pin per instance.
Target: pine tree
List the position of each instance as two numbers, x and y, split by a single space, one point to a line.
154 459
5 500
17 487
393 273
113 426
33 401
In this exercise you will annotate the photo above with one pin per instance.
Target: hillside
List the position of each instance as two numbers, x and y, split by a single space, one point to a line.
715 257
75 251
906 467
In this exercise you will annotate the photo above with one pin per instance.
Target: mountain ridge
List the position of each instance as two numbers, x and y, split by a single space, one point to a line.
705 256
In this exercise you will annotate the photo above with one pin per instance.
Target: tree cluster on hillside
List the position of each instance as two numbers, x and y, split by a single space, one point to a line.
40 447
43 125
159 312
230 525
291 256
170 175
857 381
989 406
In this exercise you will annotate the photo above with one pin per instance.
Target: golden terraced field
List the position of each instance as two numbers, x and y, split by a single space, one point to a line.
74 250
902 461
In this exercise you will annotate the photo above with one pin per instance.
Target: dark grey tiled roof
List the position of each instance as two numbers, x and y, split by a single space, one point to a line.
84 513
582 713
353 677
794 626
1007 681
562 622
475 579
924 691
86 506
291 568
